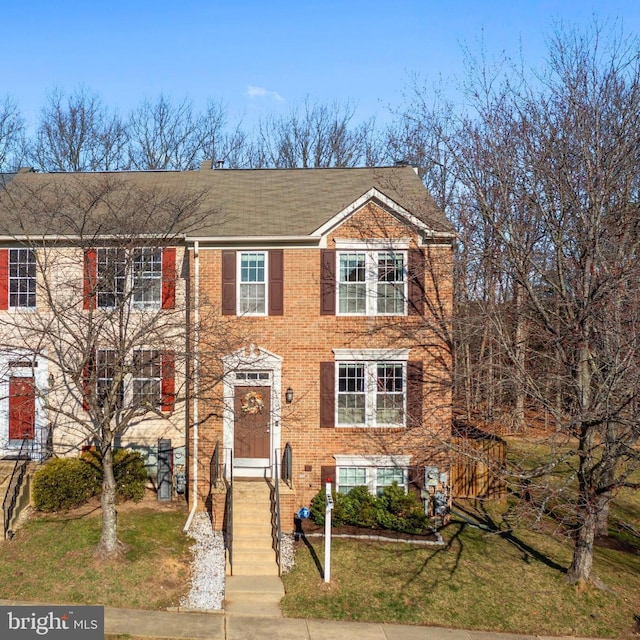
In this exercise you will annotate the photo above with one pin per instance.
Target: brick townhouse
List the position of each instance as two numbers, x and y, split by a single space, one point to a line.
340 283
314 314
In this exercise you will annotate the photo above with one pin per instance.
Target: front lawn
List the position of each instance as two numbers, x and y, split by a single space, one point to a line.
51 558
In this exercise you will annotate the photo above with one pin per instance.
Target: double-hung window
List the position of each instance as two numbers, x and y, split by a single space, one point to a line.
111 276
147 378
371 393
109 390
22 278
252 283
147 277
143 276
373 472
372 283
144 379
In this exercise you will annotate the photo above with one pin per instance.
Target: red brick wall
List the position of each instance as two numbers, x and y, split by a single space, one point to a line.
304 339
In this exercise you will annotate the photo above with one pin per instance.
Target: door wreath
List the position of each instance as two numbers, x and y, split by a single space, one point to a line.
252 403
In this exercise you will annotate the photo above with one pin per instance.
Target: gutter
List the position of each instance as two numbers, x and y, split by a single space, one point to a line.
196 390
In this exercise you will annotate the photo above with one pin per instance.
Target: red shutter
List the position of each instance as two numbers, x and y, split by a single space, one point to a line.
90 279
22 408
168 389
276 282
415 384
4 279
327 282
416 282
169 278
327 394
228 283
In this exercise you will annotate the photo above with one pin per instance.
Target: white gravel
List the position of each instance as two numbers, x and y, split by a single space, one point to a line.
207 566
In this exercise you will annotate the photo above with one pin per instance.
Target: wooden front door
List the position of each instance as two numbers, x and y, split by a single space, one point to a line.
22 408
252 422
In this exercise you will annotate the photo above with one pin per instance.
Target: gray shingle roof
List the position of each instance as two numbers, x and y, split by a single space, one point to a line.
246 202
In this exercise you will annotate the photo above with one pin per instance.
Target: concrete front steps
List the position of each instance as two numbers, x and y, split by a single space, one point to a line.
252 552
253 586
23 500
253 595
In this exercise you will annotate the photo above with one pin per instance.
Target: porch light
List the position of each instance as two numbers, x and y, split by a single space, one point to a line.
288 396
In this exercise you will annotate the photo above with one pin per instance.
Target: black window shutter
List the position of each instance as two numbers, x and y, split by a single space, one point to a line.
276 282
327 282
228 283
416 282
415 384
327 394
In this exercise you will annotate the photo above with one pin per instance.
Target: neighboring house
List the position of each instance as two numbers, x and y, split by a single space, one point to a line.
92 312
314 312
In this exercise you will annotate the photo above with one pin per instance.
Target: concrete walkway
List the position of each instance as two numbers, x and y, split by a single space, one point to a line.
179 625
218 626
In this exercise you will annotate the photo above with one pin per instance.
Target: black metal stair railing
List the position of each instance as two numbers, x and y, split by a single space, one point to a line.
14 486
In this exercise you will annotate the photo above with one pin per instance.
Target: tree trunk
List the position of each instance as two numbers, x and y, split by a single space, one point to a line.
602 515
580 570
109 546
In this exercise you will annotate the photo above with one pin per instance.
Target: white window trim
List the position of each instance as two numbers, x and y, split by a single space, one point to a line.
239 282
371 277
370 394
130 377
379 355
128 293
19 307
373 356
371 464
135 375
143 305
372 244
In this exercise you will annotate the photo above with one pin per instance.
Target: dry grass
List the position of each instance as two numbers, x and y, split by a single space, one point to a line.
511 579
51 559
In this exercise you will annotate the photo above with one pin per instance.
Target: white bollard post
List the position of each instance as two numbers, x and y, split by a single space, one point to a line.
327 531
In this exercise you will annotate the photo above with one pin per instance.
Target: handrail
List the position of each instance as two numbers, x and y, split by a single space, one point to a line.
13 488
214 466
229 507
287 465
278 527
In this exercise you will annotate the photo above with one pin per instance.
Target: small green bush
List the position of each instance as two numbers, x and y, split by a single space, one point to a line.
63 483
66 483
129 471
394 510
340 504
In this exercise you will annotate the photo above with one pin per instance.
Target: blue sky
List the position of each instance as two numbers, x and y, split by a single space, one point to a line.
258 57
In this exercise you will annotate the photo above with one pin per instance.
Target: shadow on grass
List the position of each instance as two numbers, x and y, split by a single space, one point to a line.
487 521
299 535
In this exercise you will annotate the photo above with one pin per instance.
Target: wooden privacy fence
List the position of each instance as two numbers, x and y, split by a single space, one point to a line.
476 459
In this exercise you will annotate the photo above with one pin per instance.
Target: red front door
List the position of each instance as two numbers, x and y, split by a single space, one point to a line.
22 408
252 420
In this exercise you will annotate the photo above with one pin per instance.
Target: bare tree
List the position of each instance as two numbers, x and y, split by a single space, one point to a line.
12 135
551 166
103 272
218 142
315 135
78 133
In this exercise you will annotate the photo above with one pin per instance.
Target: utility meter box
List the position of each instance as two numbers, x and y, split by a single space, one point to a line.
431 476
165 459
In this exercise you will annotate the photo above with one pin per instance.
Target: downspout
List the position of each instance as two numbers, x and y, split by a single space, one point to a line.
196 330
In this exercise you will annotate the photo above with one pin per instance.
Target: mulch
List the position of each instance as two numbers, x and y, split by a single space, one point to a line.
308 527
